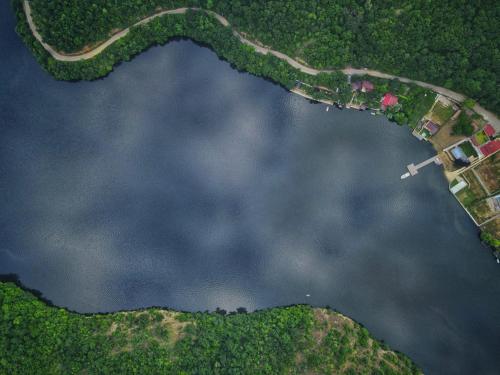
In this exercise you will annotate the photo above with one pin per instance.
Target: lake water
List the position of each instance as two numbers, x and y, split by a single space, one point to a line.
177 181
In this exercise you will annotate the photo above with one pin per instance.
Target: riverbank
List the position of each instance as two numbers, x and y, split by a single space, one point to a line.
214 31
90 52
38 338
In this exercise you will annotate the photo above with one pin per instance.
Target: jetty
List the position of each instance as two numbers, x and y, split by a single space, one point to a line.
413 169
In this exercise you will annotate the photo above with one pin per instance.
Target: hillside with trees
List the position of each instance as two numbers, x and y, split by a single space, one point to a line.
39 339
450 43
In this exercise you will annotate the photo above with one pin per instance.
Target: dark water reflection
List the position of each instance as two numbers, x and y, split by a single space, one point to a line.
177 181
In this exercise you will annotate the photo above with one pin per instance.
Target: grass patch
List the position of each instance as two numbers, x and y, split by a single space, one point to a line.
419 106
468 149
481 137
442 113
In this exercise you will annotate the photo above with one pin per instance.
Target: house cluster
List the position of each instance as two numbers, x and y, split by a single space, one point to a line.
388 100
476 147
440 113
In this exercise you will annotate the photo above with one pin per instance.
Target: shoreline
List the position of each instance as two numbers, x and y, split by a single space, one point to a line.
175 335
107 56
348 71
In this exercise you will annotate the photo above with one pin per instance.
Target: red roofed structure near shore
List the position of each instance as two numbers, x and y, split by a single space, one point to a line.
389 100
489 130
490 147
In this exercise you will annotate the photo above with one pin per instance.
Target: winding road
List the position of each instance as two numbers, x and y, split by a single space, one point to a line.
489 116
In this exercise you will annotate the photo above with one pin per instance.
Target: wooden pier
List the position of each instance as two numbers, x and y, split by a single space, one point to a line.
413 169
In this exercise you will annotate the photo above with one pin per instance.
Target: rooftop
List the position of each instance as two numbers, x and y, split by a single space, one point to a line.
490 147
389 100
489 130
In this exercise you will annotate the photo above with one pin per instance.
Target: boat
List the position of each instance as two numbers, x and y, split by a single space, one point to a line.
308 295
327 109
498 260
406 175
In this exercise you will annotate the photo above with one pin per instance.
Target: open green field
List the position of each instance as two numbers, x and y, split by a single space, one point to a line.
441 113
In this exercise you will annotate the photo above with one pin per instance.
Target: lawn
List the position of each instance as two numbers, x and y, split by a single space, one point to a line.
442 113
481 137
417 103
468 149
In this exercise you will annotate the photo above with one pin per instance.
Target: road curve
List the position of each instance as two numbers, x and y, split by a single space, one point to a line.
489 116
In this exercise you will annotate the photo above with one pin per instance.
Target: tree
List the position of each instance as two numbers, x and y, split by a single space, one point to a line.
469 103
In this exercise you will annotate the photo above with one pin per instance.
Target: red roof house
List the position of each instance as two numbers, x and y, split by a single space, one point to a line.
489 130
490 147
389 100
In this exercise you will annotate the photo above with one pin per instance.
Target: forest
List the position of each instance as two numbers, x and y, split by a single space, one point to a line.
36 338
206 30
451 43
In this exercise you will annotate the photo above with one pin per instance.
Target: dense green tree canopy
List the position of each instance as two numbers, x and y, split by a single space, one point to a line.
454 43
37 339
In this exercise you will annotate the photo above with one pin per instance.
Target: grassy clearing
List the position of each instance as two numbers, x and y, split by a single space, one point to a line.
420 105
441 113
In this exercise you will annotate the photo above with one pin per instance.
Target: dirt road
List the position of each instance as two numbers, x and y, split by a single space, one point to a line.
489 116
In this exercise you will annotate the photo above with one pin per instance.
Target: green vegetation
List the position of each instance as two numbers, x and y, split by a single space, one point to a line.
490 235
469 103
442 113
490 240
481 137
206 30
414 101
468 149
444 42
197 26
463 126
38 339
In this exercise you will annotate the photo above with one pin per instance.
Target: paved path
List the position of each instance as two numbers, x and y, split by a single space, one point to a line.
489 116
